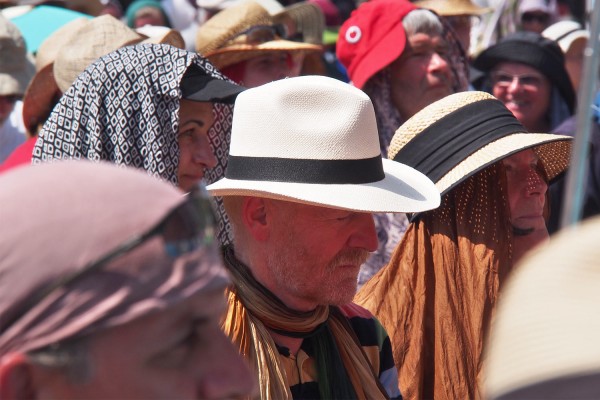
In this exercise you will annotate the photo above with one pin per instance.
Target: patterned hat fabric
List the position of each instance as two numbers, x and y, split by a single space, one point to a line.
124 108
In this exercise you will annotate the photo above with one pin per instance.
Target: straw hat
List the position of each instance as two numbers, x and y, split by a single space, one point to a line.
450 8
221 38
42 90
544 342
70 49
98 37
463 133
313 140
565 33
15 68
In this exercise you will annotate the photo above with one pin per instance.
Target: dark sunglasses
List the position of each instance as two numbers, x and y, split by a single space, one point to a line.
535 17
262 34
189 226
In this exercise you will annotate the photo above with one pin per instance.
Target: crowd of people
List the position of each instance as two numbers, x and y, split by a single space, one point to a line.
331 199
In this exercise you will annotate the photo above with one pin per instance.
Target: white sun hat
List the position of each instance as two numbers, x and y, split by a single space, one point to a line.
313 140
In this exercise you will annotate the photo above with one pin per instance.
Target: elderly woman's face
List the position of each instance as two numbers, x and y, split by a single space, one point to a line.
525 92
195 152
421 75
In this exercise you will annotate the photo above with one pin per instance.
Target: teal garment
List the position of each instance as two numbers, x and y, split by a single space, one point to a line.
136 5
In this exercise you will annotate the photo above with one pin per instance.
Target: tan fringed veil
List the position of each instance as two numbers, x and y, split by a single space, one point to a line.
437 296
251 310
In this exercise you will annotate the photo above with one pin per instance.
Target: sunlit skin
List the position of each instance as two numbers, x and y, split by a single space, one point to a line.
528 103
421 75
526 187
179 353
306 255
270 67
195 151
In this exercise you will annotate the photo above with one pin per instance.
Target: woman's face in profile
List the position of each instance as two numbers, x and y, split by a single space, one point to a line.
195 151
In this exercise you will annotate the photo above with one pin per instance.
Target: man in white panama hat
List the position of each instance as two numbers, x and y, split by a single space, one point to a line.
438 294
303 177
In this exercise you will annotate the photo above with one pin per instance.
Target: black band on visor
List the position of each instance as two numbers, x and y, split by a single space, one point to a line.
448 141
366 170
189 226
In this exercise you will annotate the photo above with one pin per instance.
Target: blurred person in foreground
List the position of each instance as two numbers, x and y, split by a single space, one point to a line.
544 340
404 58
304 176
437 295
110 300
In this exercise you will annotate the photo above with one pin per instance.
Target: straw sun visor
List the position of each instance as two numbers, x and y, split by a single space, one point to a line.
553 150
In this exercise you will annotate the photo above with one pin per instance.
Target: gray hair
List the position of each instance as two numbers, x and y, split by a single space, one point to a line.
422 21
70 357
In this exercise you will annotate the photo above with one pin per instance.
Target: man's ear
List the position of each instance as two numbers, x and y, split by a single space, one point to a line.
255 218
16 378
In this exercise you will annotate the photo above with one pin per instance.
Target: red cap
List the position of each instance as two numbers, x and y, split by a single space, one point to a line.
372 38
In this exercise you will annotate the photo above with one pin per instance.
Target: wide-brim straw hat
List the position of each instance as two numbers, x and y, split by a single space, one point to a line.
98 37
449 8
42 90
544 340
70 49
456 137
220 38
314 140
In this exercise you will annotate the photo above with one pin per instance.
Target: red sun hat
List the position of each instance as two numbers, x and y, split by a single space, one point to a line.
372 38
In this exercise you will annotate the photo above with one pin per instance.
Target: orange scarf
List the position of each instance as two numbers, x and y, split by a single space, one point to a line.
437 295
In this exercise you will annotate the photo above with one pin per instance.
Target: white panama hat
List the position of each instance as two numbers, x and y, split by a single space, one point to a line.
313 140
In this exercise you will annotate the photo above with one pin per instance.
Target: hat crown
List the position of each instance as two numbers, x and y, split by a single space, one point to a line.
232 21
98 37
294 118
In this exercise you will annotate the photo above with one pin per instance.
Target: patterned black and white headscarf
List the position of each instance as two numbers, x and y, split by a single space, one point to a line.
124 108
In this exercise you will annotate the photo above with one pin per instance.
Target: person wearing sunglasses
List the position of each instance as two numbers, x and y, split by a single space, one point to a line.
253 47
537 15
150 106
107 299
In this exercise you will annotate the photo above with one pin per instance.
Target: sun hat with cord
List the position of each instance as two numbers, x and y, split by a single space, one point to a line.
449 8
463 133
565 33
544 343
226 39
536 51
372 38
15 67
313 140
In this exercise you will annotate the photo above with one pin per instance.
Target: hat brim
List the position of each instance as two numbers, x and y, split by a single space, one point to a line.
404 189
213 90
37 102
448 9
241 52
553 150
